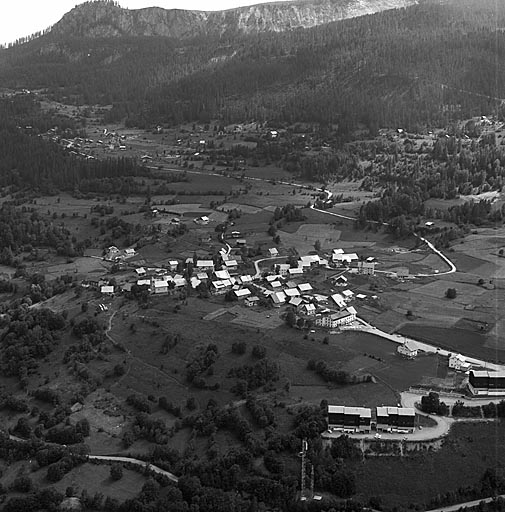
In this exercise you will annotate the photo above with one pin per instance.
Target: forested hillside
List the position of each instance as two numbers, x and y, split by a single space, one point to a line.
28 161
427 63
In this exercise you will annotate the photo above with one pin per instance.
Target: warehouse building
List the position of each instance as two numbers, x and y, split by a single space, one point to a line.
396 419
349 419
486 383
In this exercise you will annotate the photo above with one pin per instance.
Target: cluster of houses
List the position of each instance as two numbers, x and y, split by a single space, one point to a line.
410 350
324 311
283 287
364 420
115 254
80 146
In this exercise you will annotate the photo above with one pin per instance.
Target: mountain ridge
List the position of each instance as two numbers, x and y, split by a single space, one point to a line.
106 19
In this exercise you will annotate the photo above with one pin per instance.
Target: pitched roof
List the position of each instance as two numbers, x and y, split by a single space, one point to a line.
222 274
278 297
339 299
295 301
410 346
244 292
204 263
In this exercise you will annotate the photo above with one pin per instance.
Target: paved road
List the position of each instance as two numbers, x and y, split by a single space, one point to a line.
443 256
466 504
425 347
137 462
113 458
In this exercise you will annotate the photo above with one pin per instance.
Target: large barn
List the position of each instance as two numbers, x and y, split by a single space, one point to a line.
486 383
396 418
356 419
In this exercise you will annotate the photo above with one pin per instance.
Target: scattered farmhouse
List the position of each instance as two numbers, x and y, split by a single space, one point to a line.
459 363
409 349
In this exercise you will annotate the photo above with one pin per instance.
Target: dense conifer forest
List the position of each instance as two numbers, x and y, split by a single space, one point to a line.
407 67
30 161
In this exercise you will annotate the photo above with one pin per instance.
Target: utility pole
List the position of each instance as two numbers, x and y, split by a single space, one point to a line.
303 474
312 481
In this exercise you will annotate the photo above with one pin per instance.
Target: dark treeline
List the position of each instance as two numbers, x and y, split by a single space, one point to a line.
29 161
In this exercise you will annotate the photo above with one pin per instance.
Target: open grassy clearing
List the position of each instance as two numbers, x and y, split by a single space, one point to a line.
467 452
362 395
458 340
308 234
95 478
466 293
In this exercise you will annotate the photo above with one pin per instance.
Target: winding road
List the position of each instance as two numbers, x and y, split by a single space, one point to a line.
136 462
452 267
425 347
115 458
466 504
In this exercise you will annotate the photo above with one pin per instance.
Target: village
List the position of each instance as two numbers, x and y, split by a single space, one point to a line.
291 289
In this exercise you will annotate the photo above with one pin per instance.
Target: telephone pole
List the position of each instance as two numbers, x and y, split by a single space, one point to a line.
303 475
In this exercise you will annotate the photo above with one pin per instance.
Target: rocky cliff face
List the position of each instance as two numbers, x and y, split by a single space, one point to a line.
104 19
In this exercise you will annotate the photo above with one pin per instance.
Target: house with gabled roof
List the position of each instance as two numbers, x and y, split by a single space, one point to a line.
242 293
160 286
222 274
409 349
246 279
172 265
231 264
339 300
278 299
251 301
348 294
459 363
205 265
283 268
295 301
308 309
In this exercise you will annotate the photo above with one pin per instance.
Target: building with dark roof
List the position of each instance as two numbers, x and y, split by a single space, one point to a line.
355 419
486 383
396 419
